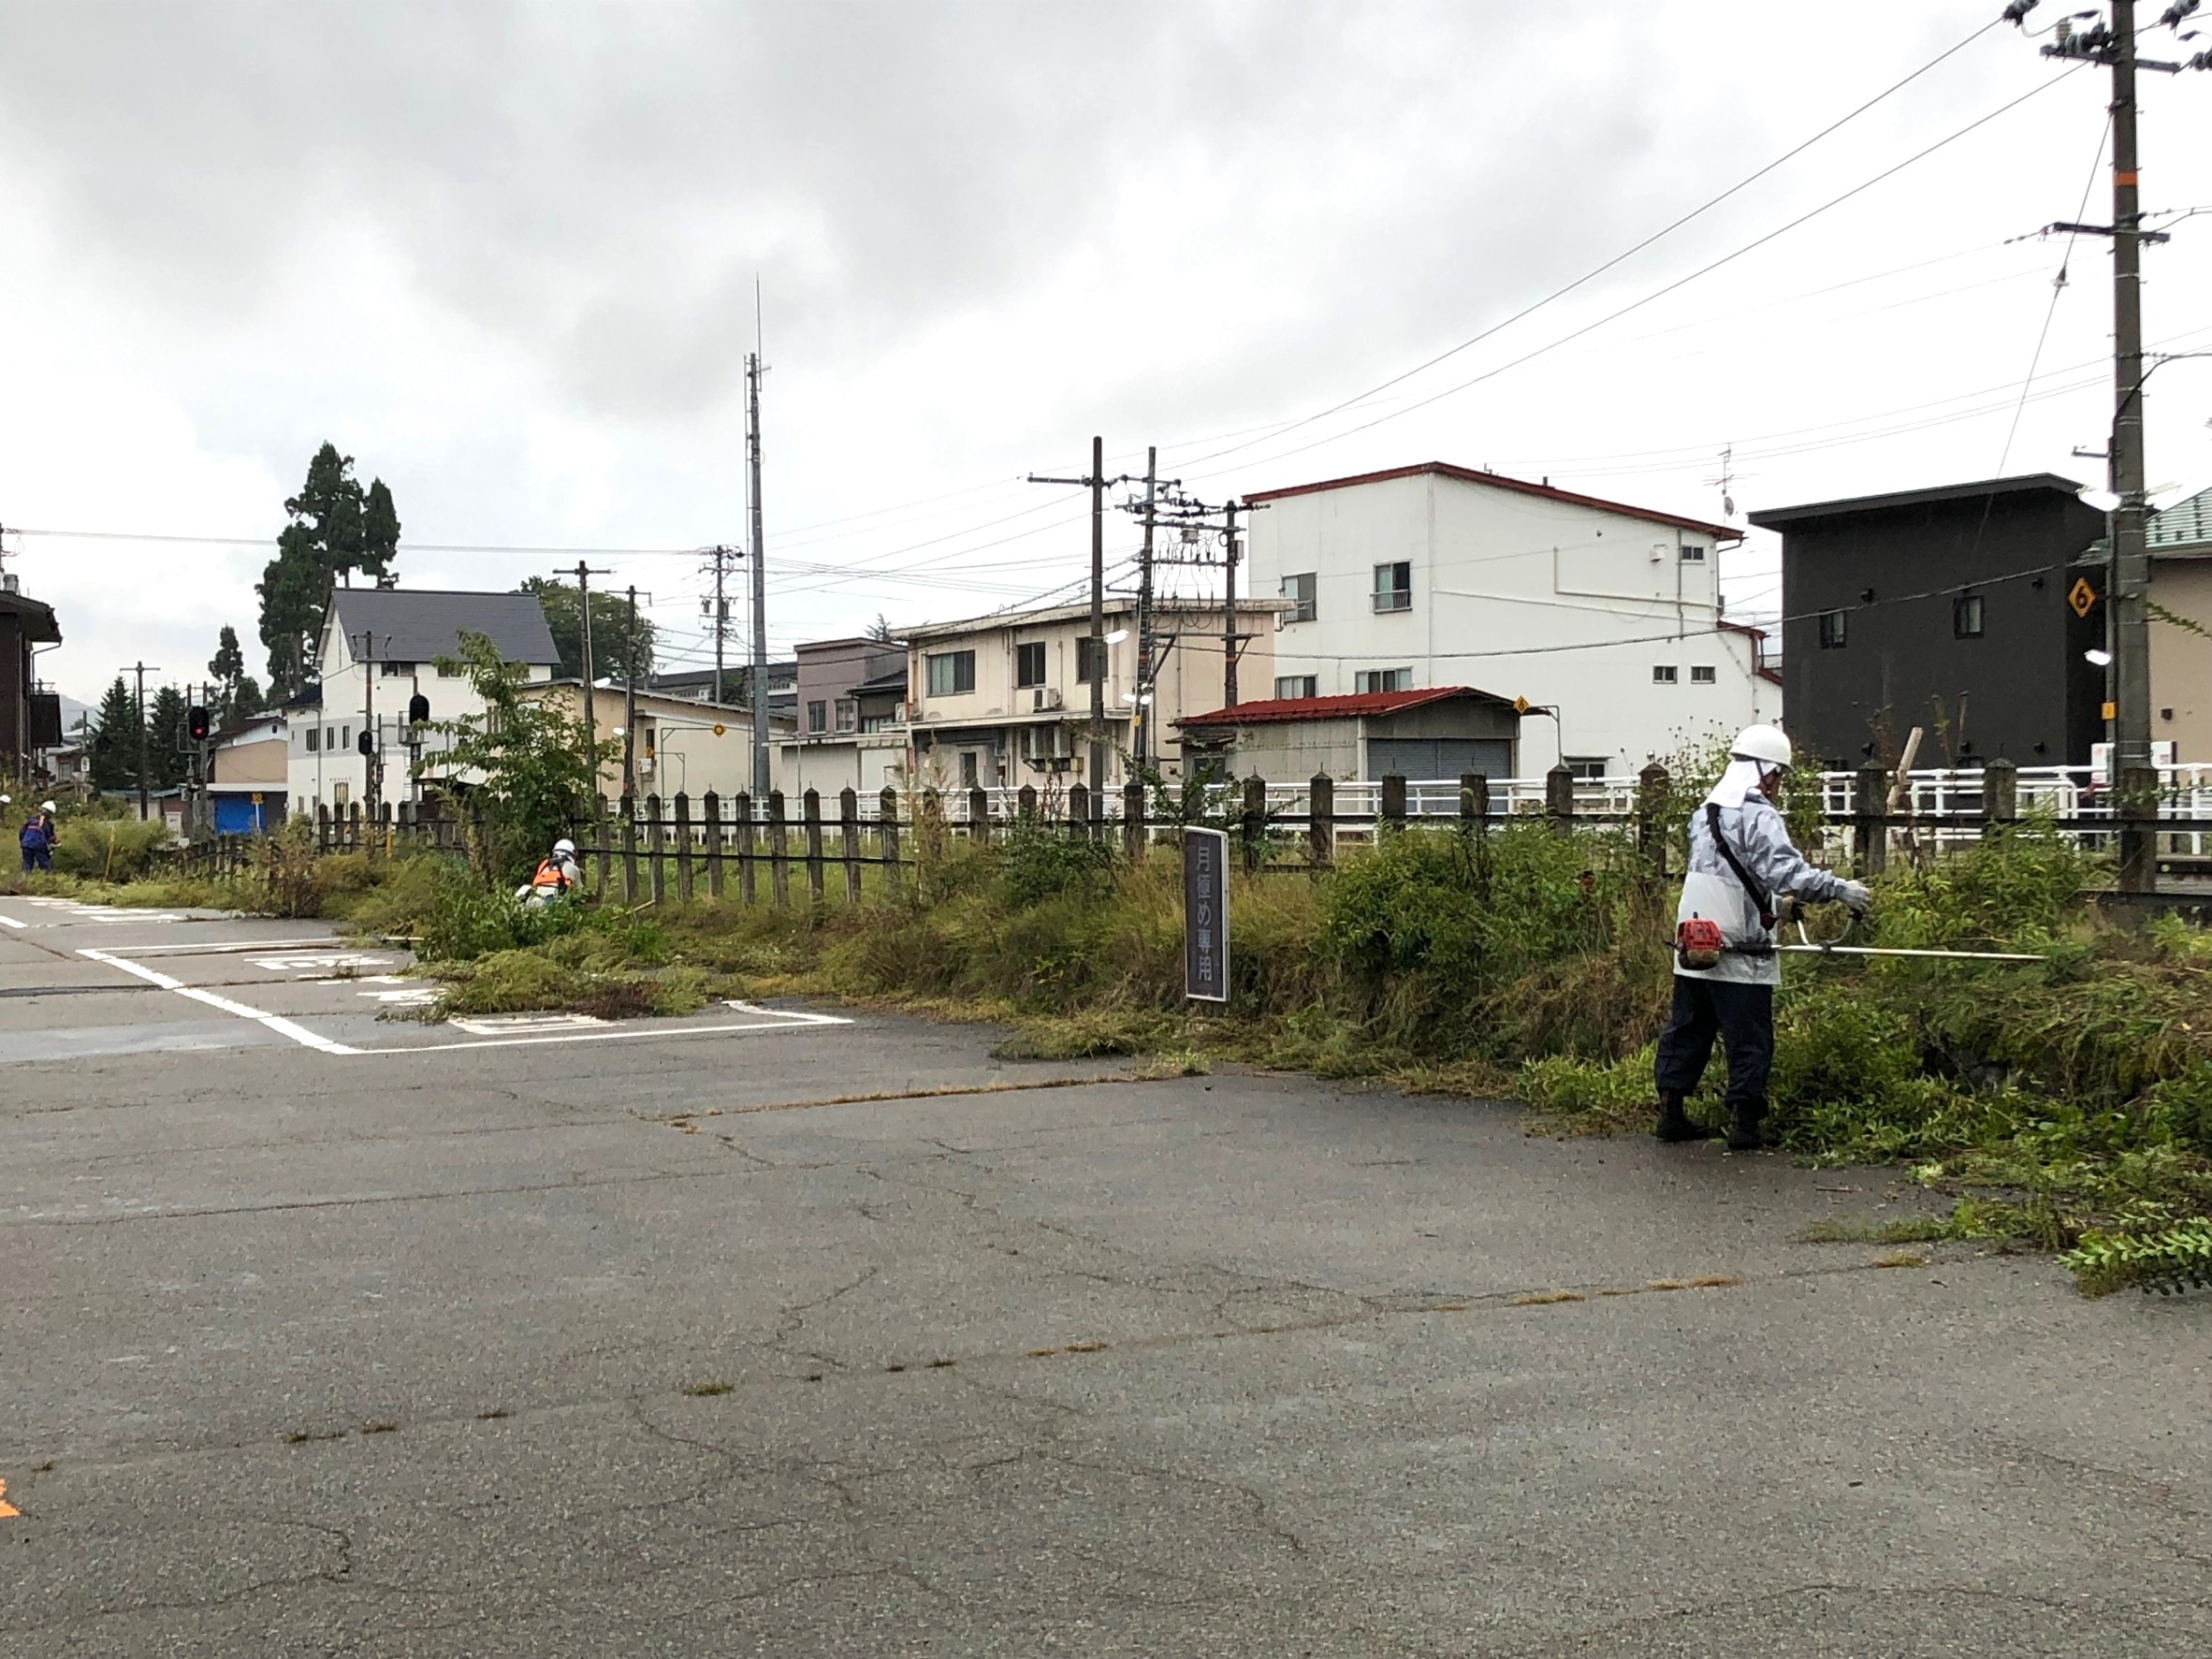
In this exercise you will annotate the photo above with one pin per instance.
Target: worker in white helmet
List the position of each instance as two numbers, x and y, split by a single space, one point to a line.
1741 865
557 874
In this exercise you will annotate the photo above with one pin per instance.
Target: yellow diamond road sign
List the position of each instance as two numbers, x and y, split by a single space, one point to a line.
2081 596
1520 706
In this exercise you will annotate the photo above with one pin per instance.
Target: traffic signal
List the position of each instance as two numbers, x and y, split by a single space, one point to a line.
366 742
195 721
418 710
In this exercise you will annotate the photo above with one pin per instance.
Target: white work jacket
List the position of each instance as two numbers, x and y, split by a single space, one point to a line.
1761 843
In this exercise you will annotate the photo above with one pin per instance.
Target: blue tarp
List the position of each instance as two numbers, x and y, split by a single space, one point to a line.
238 814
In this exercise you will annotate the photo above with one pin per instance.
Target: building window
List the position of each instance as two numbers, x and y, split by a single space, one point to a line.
1693 553
952 673
1029 663
314 737
345 736
1090 660
1300 590
1393 586
816 714
1663 674
1831 631
1383 679
847 715
398 670
1703 674
1297 685
1588 767
968 768
1965 617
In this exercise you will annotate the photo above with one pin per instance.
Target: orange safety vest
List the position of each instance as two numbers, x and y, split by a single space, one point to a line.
550 874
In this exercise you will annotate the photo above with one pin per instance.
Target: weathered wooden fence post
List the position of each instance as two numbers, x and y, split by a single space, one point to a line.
1869 799
2000 796
811 815
778 852
1559 798
322 827
1079 809
1255 823
1653 790
1391 811
656 849
602 833
352 826
629 849
979 816
710 807
748 881
887 839
1132 821
683 847
849 834
1320 821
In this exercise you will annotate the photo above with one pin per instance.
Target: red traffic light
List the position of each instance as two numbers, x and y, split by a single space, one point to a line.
195 721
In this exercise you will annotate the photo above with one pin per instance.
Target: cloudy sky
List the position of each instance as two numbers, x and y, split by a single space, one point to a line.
504 255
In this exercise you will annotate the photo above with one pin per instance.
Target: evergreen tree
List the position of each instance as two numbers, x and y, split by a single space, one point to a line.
116 739
165 739
610 622
880 629
228 665
336 529
246 701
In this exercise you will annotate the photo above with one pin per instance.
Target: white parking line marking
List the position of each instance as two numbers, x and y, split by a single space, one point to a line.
329 964
516 1025
276 1023
229 947
789 1019
11 921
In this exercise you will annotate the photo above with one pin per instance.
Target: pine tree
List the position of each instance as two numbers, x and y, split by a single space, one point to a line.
116 739
246 701
165 739
335 530
228 665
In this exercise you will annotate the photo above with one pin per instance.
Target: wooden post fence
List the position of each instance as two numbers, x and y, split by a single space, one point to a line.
1559 798
778 852
810 814
1132 821
2000 796
1652 792
1392 812
711 808
683 848
630 849
657 850
887 838
1255 823
1320 821
1870 797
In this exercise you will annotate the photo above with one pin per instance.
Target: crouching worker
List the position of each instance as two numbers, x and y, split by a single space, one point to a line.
555 877
1741 866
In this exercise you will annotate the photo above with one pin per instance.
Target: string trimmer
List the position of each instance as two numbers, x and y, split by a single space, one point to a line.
1807 946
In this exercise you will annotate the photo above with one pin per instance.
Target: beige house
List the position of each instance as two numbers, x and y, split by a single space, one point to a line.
2180 540
682 746
247 775
1005 700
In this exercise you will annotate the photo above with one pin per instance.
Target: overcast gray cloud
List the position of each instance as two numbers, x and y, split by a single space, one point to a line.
505 255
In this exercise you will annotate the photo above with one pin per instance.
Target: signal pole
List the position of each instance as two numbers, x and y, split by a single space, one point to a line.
2127 624
759 681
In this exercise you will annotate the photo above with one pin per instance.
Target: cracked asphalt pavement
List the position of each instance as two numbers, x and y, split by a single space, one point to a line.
640 1346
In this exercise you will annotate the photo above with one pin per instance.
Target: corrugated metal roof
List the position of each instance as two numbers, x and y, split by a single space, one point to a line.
2185 524
1323 708
420 625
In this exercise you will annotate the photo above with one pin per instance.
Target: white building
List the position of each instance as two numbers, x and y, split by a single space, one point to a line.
380 648
1607 616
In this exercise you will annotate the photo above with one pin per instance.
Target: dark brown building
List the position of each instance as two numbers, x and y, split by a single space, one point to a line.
30 715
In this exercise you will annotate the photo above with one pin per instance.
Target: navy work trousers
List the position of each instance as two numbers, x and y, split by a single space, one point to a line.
1743 1018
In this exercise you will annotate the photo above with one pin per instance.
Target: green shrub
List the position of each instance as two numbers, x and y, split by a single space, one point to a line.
1042 861
100 849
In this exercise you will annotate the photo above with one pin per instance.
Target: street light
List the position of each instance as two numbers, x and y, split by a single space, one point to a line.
2097 657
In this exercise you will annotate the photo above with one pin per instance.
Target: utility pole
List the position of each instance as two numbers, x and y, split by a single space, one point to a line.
1093 647
584 575
370 745
145 805
2127 584
759 680
1228 608
1143 720
630 702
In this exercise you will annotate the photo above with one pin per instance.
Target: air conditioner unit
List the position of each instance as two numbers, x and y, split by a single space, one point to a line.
1046 698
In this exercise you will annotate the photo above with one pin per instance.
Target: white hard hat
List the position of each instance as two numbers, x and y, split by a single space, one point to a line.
565 845
1765 744
46 806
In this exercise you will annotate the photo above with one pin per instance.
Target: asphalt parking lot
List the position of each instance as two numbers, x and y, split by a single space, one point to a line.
789 1330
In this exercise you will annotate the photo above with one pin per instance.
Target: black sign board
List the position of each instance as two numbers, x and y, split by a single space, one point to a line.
1205 915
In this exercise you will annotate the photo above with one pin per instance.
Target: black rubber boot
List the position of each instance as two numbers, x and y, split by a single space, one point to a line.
1676 1124
1744 1133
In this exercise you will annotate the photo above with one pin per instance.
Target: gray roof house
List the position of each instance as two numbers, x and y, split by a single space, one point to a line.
422 624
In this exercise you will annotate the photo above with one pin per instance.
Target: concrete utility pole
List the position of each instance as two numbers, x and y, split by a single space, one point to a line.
721 557
1228 608
371 750
2127 584
630 700
1093 647
1142 720
584 575
759 681
144 760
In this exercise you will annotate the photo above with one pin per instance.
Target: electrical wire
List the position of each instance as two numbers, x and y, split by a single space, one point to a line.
2058 288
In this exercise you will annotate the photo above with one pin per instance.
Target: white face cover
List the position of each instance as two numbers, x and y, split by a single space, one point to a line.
1742 777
